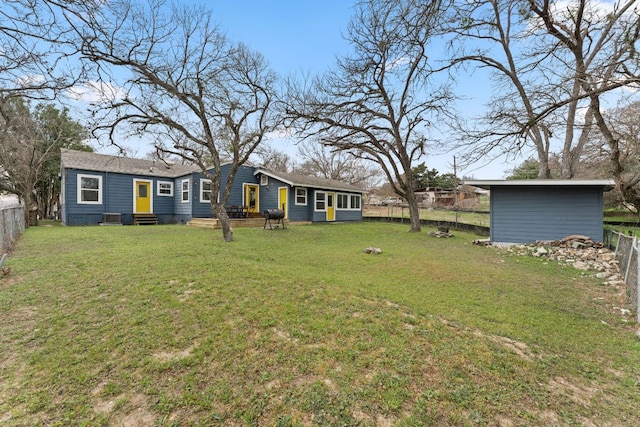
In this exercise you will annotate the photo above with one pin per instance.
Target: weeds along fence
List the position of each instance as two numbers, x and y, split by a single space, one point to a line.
626 252
12 224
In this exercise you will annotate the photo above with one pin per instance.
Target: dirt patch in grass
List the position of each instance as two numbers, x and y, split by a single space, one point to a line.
578 393
124 409
166 356
136 413
517 347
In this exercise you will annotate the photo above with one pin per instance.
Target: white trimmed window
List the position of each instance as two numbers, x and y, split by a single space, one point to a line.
205 190
321 201
343 201
90 189
185 190
355 201
165 188
264 179
301 196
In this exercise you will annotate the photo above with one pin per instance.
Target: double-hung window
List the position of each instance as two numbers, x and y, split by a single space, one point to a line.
321 201
185 190
301 196
205 190
90 189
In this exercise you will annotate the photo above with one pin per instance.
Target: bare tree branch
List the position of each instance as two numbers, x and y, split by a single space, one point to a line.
200 96
378 103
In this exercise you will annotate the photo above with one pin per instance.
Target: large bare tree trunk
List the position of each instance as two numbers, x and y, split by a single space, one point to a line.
219 211
414 212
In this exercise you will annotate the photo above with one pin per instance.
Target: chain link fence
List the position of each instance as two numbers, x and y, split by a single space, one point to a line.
12 224
626 252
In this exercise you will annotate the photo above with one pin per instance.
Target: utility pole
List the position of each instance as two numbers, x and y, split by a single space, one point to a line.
455 189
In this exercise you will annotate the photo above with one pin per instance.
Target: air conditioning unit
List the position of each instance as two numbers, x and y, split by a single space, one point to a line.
111 218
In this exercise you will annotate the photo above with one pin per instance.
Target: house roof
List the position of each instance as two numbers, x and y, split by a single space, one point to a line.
301 180
607 184
73 159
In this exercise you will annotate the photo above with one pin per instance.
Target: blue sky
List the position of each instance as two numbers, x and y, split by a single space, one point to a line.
293 35
305 37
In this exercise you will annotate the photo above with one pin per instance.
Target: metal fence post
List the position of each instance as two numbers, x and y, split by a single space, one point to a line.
631 249
636 248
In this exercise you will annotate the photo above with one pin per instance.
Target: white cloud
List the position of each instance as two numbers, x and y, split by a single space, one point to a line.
33 80
403 60
96 92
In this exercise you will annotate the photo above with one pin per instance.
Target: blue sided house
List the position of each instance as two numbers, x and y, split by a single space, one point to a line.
98 189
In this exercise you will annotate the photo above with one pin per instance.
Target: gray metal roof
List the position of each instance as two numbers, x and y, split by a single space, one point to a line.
488 183
83 160
301 180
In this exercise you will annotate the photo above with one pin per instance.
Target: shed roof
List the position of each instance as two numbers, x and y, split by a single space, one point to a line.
607 184
302 180
84 160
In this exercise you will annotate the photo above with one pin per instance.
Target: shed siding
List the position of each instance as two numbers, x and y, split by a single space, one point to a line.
527 214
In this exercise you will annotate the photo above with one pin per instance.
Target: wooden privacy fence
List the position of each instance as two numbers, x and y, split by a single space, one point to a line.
626 252
12 224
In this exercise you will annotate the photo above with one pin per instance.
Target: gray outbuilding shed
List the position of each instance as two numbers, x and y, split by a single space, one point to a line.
524 211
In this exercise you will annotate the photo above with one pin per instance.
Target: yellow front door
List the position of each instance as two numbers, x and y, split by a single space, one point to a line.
251 198
143 197
331 211
282 200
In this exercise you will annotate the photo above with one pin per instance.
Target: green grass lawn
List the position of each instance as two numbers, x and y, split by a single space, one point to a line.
170 326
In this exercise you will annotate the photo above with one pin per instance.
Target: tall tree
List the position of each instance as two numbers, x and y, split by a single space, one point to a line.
624 122
56 130
21 158
603 52
528 169
324 162
378 102
36 63
204 98
541 97
274 160
36 55
30 142
422 176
